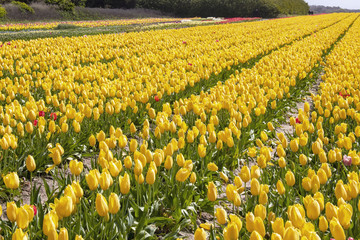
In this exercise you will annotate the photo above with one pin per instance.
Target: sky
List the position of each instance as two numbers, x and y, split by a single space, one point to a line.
349 4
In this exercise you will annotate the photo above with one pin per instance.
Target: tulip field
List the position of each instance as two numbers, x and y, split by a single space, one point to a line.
191 133
100 23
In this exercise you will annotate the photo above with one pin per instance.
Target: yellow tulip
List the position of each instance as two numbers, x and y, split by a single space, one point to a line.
280 187
278 226
150 176
250 221
182 174
200 234
102 207
76 167
255 236
336 230
11 180
63 234
231 232
323 224
22 218
212 167
255 187
19 235
114 203
64 206
30 163
221 215
290 178
124 184
291 234
212 192
245 174
235 219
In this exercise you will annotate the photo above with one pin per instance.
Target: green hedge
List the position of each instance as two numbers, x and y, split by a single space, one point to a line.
227 8
23 6
2 12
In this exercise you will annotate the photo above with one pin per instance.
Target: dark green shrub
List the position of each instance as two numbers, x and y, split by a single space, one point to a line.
2 12
65 26
64 5
23 6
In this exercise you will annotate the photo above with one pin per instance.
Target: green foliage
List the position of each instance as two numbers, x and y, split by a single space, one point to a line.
291 7
23 6
227 8
65 26
64 5
2 12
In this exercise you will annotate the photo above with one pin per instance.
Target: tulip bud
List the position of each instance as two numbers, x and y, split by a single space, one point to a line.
336 230
245 174
101 205
114 203
235 219
291 234
200 234
260 211
150 176
76 167
323 224
30 163
212 167
22 218
168 162
231 232
19 235
221 216
63 234
250 221
212 192
280 187
64 206
313 209
133 145
193 177
124 184
92 140
182 174
91 180
255 187
11 180
345 215
255 236
278 226
290 178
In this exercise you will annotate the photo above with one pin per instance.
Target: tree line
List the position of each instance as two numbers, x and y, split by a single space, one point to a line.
200 8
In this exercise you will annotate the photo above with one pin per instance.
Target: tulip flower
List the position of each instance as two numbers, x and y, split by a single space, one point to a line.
336 230
102 207
231 232
150 176
11 180
63 234
212 192
30 163
114 203
221 215
75 167
200 234
124 184
19 235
